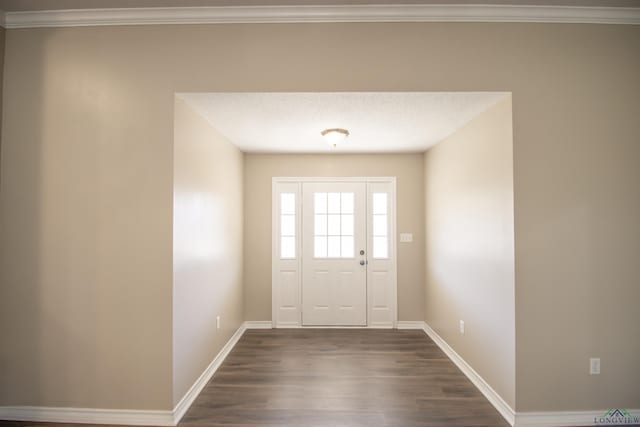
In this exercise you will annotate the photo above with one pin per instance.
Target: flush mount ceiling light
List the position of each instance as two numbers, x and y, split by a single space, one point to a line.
335 136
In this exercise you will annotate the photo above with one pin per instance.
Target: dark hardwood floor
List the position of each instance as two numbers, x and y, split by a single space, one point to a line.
337 377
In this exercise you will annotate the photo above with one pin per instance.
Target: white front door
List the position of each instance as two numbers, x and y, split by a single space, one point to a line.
334 241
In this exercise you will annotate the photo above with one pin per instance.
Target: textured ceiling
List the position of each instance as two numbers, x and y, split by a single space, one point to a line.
379 122
30 5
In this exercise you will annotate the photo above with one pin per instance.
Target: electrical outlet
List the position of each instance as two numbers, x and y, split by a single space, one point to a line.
218 322
462 327
594 366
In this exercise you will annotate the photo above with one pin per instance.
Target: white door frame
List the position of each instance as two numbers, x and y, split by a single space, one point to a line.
288 272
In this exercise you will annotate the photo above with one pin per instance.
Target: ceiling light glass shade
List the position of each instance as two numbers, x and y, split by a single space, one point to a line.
335 136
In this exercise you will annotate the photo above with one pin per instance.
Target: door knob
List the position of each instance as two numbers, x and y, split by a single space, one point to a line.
362 262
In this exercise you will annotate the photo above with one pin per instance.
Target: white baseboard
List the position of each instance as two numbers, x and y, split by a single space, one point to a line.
171 418
494 398
86 415
410 324
258 324
516 419
128 417
191 395
563 419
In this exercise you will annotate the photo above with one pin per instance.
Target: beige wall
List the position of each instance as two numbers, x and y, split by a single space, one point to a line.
260 168
87 183
470 245
207 245
85 261
1 85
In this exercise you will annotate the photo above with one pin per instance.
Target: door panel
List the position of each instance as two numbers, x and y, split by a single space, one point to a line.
334 283
289 289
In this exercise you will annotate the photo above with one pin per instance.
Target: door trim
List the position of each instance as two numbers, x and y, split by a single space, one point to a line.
293 267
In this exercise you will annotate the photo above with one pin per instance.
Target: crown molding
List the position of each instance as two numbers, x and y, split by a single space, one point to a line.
311 14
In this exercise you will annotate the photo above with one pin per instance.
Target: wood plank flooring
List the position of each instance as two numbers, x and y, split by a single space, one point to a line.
337 377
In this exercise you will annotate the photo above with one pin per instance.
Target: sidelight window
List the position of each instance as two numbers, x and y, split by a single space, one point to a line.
287 225
380 226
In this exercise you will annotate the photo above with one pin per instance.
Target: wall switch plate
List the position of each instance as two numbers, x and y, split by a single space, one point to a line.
462 327
406 237
594 366
218 322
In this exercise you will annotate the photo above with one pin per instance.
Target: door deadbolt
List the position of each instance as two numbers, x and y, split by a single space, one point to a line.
361 251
